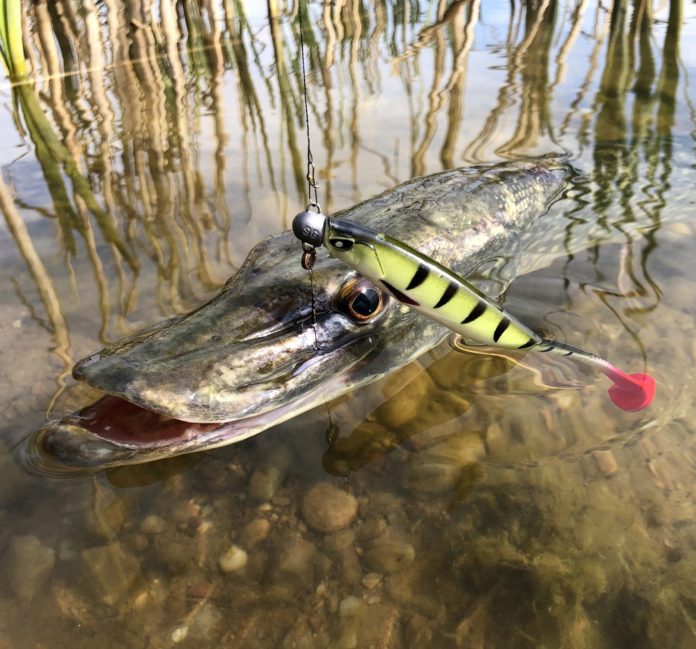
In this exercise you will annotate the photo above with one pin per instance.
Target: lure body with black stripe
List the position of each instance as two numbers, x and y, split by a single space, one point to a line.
432 289
426 286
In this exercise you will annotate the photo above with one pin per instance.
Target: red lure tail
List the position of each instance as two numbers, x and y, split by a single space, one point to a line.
630 392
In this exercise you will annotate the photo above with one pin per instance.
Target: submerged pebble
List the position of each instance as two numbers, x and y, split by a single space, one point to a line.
179 634
419 632
29 564
340 546
204 623
153 524
440 467
372 580
425 475
255 532
606 463
389 555
371 529
411 588
300 636
293 569
73 606
328 509
269 476
113 570
177 551
375 625
406 405
233 560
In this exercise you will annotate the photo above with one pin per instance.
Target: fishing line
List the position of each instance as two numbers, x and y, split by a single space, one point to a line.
309 255
311 181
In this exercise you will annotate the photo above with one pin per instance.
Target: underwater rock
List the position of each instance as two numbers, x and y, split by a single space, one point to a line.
153 524
269 475
293 570
176 551
406 404
389 507
179 634
300 636
348 612
140 543
371 529
255 532
147 603
73 606
29 564
606 463
376 626
412 589
428 476
441 467
204 623
419 633
328 509
372 580
113 570
233 560
389 555
340 546
260 627
379 627
108 513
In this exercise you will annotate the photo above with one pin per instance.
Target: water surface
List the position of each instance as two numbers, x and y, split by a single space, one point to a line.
497 505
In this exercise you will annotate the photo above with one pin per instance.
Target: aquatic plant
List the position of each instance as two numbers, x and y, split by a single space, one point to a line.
11 46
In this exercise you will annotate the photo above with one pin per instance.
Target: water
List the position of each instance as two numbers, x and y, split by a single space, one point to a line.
495 508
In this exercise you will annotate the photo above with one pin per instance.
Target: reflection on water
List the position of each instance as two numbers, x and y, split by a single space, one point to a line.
155 143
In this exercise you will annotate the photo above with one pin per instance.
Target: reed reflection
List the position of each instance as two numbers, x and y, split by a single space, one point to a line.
633 150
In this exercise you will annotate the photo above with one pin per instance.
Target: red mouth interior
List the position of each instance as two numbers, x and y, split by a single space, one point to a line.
120 421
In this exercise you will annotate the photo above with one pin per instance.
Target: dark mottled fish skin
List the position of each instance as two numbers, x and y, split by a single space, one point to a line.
247 357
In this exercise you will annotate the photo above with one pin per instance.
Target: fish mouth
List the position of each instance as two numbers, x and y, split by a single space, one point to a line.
114 431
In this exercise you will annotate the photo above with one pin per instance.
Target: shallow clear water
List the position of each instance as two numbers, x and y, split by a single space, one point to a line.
498 506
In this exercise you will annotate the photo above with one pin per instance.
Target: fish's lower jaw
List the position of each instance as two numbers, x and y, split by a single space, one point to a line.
60 449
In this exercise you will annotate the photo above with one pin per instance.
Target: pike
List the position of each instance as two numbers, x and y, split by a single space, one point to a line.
254 356
435 291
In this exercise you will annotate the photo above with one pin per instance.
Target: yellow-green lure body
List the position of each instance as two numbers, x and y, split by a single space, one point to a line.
426 286
432 289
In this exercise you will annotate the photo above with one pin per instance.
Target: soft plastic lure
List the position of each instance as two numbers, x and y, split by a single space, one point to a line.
425 285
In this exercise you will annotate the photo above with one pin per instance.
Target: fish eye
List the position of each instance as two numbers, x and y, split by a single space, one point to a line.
342 244
360 300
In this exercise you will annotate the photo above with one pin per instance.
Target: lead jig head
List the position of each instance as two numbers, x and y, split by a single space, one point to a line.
309 226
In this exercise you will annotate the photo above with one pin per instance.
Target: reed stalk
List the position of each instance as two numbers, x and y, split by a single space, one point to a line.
11 44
